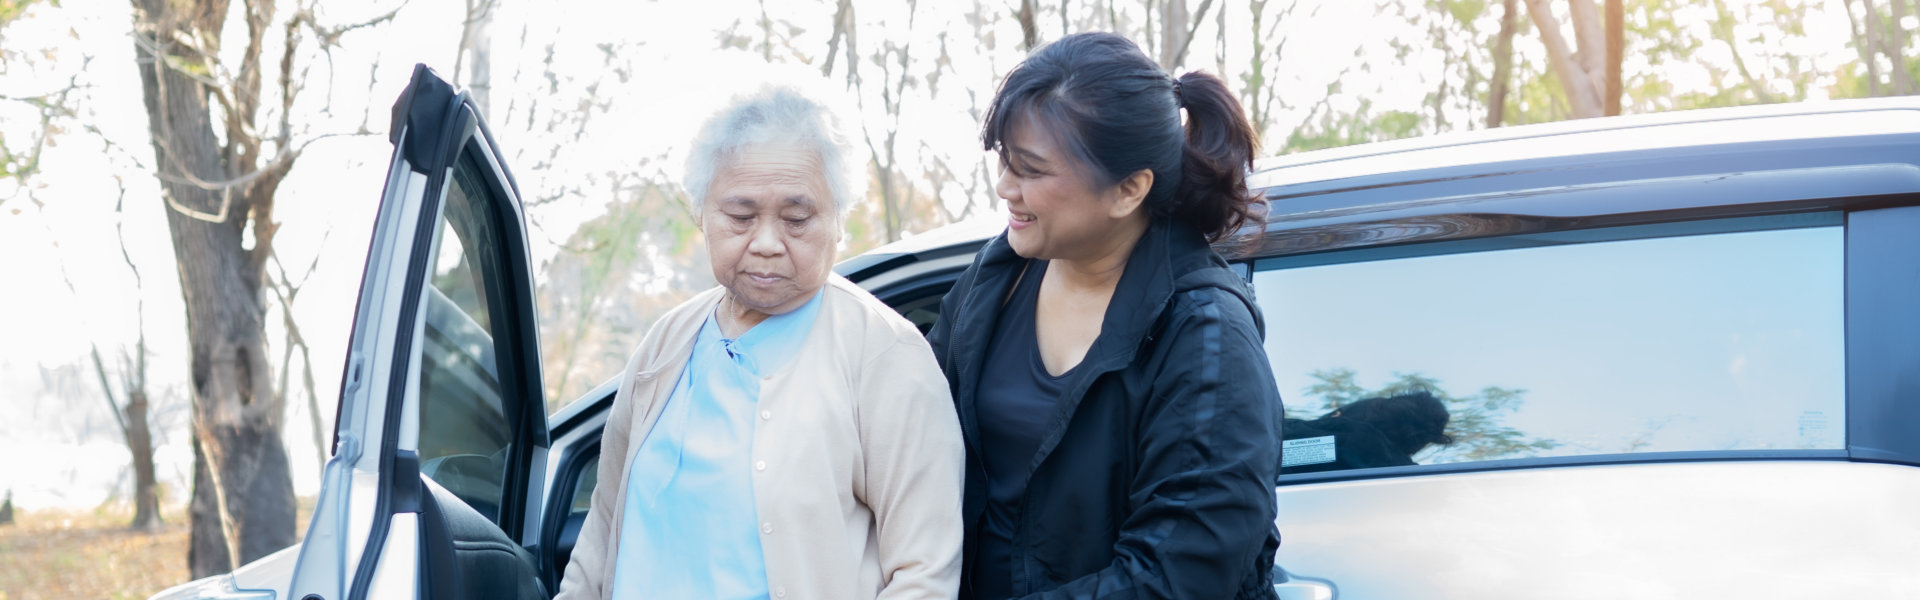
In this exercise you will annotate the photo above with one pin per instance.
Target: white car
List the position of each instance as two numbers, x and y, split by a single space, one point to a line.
1678 356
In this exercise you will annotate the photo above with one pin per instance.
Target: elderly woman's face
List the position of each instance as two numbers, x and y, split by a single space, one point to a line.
771 227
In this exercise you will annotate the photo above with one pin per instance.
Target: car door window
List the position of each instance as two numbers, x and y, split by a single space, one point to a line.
464 429
1557 346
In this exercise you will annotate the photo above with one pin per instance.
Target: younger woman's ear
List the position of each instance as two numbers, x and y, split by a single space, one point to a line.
1130 194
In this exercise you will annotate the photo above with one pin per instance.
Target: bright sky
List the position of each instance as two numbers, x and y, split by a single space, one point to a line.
48 396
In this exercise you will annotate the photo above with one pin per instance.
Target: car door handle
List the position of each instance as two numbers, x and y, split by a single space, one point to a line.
1289 586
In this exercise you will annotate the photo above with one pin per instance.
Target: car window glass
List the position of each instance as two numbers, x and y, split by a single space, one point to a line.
464 432
1720 342
583 488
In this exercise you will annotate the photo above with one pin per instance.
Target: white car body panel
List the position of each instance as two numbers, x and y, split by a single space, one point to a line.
1724 529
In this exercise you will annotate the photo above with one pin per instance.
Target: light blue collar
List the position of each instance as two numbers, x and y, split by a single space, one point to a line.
770 345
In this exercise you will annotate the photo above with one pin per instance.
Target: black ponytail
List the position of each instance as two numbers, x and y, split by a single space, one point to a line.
1220 145
1115 110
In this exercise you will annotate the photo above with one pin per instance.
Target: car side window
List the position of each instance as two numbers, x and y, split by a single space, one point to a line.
1560 346
464 430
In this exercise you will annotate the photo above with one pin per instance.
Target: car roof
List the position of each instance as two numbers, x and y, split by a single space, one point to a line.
1655 131
1582 173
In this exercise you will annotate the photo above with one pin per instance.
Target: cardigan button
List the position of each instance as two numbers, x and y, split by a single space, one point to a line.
766 415
760 466
780 592
766 528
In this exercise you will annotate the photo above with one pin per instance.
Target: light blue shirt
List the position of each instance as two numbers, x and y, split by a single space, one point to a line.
691 529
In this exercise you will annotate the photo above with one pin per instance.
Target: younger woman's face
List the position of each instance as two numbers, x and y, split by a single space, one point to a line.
1055 210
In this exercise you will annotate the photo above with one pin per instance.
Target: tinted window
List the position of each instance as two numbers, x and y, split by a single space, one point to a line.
1704 342
464 431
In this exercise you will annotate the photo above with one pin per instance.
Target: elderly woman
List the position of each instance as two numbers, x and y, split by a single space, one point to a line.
784 435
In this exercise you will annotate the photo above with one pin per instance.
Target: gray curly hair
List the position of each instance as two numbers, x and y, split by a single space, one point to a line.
780 112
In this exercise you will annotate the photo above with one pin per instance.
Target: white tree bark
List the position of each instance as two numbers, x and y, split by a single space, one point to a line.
1582 84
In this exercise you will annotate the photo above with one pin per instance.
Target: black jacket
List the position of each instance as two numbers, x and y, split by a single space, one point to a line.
1156 477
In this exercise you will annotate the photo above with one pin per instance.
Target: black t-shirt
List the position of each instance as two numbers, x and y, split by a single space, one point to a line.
1016 403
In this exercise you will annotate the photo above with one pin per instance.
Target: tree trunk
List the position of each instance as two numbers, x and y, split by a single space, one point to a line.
242 506
1616 52
1257 71
1589 35
476 42
1893 44
890 205
1863 42
1723 31
1029 30
1876 47
1173 28
841 23
146 493
1583 98
1503 63
1896 32
134 429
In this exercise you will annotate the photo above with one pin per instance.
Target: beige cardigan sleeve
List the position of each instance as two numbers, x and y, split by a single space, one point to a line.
587 567
915 464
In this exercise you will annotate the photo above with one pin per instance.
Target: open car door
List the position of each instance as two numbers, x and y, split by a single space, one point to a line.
440 439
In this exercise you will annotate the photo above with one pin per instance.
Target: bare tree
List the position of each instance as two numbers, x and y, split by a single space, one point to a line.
1894 44
1874 36
1029 30
1177 28
1502 63
1269 49
56 112
286 290
220 160
131 416
476 41
243 492
1616 53
1722 28
1865 40
842 30
1582 69
895 60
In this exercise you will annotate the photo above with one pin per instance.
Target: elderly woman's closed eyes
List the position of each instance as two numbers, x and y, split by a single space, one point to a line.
783 435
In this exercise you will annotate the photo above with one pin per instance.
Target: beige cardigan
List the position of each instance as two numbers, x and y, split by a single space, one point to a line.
860 492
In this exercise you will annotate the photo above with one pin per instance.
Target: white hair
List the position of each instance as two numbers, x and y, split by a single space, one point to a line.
785 110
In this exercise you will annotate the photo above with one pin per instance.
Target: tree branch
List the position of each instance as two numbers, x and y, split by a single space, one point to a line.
1200 16
1574 79
106 387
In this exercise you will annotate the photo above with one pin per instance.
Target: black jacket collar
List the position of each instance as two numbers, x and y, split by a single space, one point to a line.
1169 257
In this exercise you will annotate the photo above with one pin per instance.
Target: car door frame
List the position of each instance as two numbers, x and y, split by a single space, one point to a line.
364 531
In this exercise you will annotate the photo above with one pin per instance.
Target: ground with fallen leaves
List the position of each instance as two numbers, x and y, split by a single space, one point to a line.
91 554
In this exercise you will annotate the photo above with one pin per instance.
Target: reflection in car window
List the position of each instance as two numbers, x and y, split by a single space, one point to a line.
1718 342
464 431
